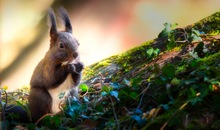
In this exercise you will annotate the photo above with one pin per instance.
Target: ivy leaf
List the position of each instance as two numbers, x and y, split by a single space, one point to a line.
70 112
114 94
115 85
168 70
171 41
83 107
55 121
86 99
150 52
175 81
133 95
195 100
83 87
168 28
165 106
128 83
156 51
194 54
31 127
136 118
135 82
195 36
138 111
106 89
104 93
61 95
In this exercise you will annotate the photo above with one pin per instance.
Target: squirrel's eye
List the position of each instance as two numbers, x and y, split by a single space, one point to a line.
61 45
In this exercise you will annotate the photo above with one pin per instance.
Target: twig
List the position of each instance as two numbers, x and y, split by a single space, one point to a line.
181 107
116 118
43 118
87 91
143 94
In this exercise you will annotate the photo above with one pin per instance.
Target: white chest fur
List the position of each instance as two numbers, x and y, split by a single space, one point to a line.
65 87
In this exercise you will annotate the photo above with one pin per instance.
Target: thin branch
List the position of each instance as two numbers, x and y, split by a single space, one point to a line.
116 118
165 124
43 118
143 94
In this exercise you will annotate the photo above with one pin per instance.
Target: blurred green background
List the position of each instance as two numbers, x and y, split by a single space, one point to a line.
103 28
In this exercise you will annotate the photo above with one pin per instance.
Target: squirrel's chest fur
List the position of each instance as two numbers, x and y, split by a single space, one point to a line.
64 87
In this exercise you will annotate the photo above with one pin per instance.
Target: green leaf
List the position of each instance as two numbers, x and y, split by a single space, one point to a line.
104 93
86 99
156 51
106 89
194 54
61 95
136 118
123 93
55 121
46 120
19 104
175 81
70 112
195 100
195 36
165 106
83 87
136 82
31 127
114 94
128 83
168 28
133 95
115 86
150 52
171 41
138 111
168 71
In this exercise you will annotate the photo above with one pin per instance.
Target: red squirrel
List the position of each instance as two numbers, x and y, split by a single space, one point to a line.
59 71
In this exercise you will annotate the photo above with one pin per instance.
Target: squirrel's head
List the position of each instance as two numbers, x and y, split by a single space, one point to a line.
63 46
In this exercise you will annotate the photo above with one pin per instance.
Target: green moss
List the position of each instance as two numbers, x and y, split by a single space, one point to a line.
211 59
124 60
209 25
131 54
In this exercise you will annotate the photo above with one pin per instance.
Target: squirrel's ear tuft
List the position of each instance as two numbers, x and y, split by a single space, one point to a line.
65 18
52 24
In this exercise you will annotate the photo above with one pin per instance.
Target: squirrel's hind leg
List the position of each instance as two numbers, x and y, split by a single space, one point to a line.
39 103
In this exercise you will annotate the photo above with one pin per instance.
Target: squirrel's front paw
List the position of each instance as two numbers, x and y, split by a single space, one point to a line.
71 68
75 68
79 66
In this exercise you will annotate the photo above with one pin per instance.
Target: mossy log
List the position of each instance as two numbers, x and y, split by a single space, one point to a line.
134 61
